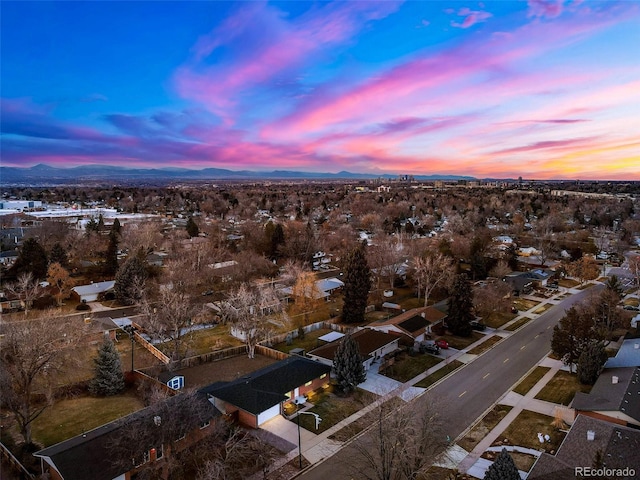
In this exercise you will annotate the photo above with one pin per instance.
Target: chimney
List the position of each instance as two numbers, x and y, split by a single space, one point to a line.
591 435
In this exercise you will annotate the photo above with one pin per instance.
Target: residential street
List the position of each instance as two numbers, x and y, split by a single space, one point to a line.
465 395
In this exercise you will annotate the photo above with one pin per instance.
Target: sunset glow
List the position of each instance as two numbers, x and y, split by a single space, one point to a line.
544 89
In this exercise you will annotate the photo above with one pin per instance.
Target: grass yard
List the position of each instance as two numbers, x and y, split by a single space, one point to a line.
524 304
568 283
438 374
527 383
333 409
483 427
364 422
524 430
407 367
497 319
517 324
543 308
486 345
462 342
210 339
562 388
71 417
309 342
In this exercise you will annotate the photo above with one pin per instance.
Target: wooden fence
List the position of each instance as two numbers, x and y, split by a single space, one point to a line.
15 463
153 350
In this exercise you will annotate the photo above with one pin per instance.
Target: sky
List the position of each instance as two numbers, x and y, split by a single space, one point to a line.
543 89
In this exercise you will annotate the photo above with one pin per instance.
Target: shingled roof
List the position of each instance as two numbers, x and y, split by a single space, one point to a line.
618 445
622 396
367 339
264 388
90 455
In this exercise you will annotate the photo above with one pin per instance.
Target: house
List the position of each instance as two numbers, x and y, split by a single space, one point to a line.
627 356
615 397
618 448
528 252
372 344
323 288
264 394
414 323
524 282
119 449
91 292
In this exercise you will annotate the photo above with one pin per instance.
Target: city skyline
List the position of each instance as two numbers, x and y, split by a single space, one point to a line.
538 89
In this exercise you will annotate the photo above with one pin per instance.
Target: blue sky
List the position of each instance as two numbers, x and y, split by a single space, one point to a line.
539 88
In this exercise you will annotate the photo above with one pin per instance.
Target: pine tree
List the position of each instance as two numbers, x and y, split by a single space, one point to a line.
108 376
192 228
116 227
130 281
347 365
357 283
59 255
590 362
460 305
503 468
111 256
31 259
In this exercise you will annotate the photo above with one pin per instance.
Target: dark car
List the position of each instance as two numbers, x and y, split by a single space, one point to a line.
477 326
429 348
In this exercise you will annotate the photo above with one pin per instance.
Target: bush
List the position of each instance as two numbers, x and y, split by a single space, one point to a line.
83 307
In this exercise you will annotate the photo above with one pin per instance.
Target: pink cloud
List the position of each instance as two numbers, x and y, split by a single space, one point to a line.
471 17
545 8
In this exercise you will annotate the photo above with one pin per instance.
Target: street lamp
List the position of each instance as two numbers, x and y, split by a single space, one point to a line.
299 401
131 330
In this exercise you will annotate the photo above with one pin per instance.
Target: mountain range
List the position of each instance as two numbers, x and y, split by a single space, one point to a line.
45 174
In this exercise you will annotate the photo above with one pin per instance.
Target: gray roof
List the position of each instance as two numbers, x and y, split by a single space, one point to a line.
264 388
619 447
623 396
98 287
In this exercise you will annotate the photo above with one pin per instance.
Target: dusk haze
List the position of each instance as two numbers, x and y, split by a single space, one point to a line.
544 89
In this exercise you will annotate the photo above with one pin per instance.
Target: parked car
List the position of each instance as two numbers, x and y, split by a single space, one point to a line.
477 326
631 307
429 348
442 343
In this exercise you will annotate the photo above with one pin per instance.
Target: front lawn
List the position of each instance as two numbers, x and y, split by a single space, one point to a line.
523 304
523 431
527 383
438 374
71 417
462 342
483 427
497 319
543 308
333 409
365 421
407 367
562 388
308 343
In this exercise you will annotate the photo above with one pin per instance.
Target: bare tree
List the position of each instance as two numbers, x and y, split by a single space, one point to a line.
307 296
386 258
31 353
254 313
402 444
26 288
431 271
500 270
491 297
584 269
634 268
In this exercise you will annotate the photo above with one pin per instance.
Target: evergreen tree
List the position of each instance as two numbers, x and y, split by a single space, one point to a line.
503 468
460 306
192 228
357 283
100 226
116 227
273 239
31 259
130 281
347 365
613 284
59 255
590 363
108 377
91 226
110 266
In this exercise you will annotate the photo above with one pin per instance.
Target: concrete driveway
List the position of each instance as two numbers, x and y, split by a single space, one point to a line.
287 430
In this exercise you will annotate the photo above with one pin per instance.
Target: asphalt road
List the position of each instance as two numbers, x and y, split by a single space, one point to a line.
472 389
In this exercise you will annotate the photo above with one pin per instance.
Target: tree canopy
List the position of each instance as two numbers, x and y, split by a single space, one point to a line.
357 283
460 306
108 377
347 365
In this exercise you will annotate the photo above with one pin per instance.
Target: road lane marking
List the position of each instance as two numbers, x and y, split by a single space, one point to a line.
548 327
505 360
537 336
486 376
462 394
523 347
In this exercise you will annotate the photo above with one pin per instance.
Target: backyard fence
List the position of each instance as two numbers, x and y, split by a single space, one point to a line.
15 463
